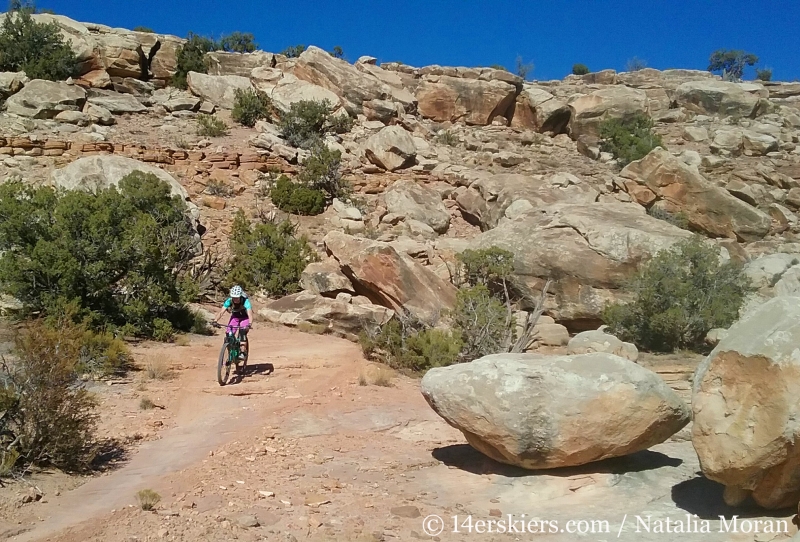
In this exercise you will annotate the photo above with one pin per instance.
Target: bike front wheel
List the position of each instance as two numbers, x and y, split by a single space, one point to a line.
223 365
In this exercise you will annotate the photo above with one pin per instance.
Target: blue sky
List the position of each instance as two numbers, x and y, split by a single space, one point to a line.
551 34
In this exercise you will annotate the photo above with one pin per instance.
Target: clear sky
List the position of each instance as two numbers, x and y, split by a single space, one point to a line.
551 34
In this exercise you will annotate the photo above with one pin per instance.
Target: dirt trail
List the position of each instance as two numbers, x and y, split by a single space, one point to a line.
209 415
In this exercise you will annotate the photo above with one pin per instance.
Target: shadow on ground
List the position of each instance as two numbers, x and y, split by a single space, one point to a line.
466 458
703 497
257 369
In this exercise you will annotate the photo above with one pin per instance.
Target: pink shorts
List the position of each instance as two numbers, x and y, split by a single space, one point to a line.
237 323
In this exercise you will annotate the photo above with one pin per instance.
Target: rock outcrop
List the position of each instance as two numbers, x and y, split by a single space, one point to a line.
411 201
617 102
745 407
543 412
598 340
392 148
41 99
220 90
444 98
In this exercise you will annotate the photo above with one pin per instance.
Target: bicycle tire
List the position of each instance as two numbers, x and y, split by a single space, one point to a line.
223 366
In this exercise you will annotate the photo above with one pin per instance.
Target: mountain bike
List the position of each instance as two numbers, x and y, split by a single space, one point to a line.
229 355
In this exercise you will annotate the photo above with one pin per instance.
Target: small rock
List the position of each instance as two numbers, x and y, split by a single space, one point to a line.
495 513
406 511
247 522
266 493
162 533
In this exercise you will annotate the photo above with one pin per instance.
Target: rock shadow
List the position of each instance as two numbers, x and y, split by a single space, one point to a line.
468 459
703 497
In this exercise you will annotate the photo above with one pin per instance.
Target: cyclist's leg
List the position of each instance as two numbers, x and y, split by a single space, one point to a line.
243 335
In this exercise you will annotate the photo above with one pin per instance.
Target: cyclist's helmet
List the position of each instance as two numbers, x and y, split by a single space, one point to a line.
236 291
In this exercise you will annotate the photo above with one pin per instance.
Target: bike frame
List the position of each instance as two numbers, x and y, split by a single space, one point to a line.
234 340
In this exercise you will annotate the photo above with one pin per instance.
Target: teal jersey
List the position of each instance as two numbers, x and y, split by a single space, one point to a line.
229 305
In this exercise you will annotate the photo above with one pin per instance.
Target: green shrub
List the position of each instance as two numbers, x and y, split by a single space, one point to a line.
321 171
337 52
764 75
218 188
629 139
296 198
38 49
677 219
49 419
210 126
405 343
113 256
731 63
678 296
163 330
293 51
484 323
250 106
340 124
238 42
446 137
144 29
268 257
147 499
191 57
306 122
579 69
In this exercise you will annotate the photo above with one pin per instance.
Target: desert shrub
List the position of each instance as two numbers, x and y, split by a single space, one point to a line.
147 499
296 198
250 106
678 296
191 57
630 138
38 49
238 42
731 63
635 64
115 257
144 29
406 343
267 256
102 353
764 75
579 69
307 121
211 126
321 171
446 137
215 187
163 330
293 51
524 69
676 219
48 418
483 322
337 52
146 404
157 369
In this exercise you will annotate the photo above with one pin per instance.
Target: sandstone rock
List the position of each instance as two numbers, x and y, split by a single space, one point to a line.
547 113
116 103
716 97
312 312
41 99
99 115
73 117
542 412
390 278
345 211
217 89
241 64
325 278
728 141
182 102
11 83
346 81
758 144
617 102
764 272
284 89
380 110
450 99
744 400
391 149
407 199
695 133
714 336
589 250
508 159
550 334
600 341
708 207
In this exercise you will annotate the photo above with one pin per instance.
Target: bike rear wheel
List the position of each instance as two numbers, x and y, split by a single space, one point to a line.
223 365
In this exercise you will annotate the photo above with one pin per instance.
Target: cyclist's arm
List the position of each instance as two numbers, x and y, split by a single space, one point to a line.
248 308
222 311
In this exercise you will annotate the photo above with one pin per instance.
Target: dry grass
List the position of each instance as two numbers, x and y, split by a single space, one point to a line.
182 340
376 375
147 499
362 380
157 369
146 404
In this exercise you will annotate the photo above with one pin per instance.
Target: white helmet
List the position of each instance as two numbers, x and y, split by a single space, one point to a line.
236 291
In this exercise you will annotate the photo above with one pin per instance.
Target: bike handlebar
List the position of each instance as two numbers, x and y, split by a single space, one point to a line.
218 325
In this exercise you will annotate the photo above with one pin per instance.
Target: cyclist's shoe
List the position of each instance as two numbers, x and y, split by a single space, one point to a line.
242 356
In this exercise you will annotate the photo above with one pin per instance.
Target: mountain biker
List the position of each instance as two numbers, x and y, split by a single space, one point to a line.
238 304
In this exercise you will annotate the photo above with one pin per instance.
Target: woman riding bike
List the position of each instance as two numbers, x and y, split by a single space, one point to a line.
239 306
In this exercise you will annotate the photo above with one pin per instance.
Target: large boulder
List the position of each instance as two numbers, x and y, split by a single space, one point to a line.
242 64
392 148
544 412
41 99
617 102
504 193
354 86
407 199
538 110
745 407
709 208
325 278
391 278
220 90
590 251
314 313
599 341
451 99
284 89
115 102
717 97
